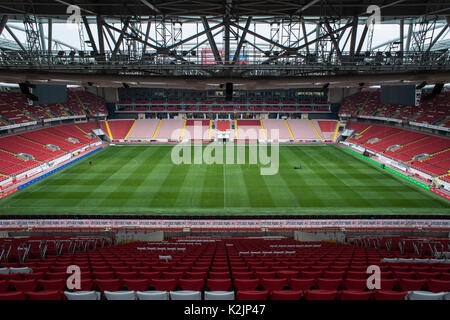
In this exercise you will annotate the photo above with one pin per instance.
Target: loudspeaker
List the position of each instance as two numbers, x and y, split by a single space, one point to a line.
25 90
228 91
436 90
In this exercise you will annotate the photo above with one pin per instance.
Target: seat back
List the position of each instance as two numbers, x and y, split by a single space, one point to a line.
185 295
152 295
425 295
20 270
82 295
4 270
120 295
219 295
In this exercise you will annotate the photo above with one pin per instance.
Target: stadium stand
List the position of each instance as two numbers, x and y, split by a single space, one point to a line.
170 129
367 103
144 129
118 128
280 125
404 145
303 129
198 130
293 269
15 108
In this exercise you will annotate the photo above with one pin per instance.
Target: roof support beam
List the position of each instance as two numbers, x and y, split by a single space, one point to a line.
147 34
50 35
354 34
293 51
306 6
3 23
121 36
195 36
408 40
101 40
305 35
131 36
226 56
437 37
333 39
91 38
402 35
15 38
211 41
361 40
256 35
242 40
151 6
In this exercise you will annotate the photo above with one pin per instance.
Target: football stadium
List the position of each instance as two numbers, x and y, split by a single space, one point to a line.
224 150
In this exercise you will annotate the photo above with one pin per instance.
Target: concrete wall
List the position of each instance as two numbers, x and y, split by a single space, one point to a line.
336 95
319 236
139 236
109 94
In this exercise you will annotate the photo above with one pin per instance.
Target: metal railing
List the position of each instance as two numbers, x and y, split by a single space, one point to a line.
257 63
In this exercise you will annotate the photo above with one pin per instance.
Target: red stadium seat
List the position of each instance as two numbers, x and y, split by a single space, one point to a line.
355 284
160 268
103 275
11 276
355 295
31 276
311 274
164 284
53 285
265 274
57 275
405 275
13 296
136 284
172 275
242 275
4 285
45 295
333 274
246 284
86 285
273 284
320 294
286 295
411 284
443 276
252 295
219 275
24 285
328 284
196 275
427 275
108 284
218 284
356 275
192 284
127 275
435 285
390 295
301 284
288 274
388 284
150 275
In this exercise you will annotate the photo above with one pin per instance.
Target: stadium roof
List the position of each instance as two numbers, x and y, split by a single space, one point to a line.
305 8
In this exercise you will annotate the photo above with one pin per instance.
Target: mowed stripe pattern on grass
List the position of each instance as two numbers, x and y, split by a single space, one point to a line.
143 180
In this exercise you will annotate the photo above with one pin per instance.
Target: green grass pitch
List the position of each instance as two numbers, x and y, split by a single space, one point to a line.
143 180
